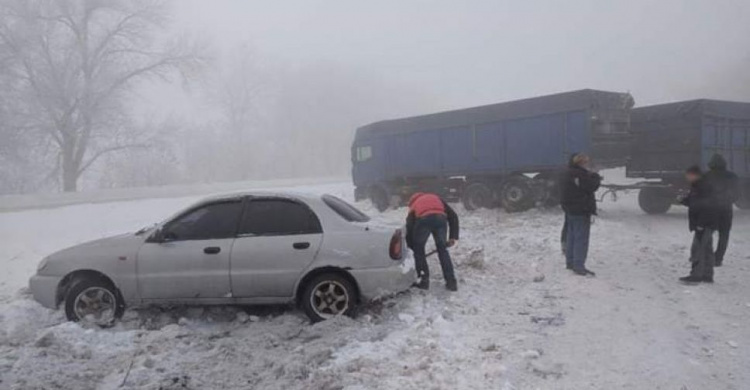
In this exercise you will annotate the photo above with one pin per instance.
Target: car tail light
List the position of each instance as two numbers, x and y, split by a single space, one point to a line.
396 249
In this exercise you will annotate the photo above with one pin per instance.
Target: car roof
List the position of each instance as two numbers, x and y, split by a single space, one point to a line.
307 196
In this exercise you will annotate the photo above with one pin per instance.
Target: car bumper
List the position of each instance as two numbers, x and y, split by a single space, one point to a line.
44 290
378 282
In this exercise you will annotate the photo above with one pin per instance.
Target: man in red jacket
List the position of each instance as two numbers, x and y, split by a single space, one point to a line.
430 215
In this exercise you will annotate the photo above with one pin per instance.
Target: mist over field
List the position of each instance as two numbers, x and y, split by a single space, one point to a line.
214 194
104 94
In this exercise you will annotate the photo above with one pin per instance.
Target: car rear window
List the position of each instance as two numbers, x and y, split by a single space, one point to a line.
345 210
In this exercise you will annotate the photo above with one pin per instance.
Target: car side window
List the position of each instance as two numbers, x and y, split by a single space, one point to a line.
212 221
274 217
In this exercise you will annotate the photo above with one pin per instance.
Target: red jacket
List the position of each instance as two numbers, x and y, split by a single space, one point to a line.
422 205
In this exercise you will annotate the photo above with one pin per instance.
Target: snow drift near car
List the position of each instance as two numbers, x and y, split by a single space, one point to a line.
249 248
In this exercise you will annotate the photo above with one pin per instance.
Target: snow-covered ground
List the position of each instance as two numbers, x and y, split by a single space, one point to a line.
519 320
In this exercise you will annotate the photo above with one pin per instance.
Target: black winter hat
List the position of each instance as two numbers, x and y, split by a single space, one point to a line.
717 162
694 169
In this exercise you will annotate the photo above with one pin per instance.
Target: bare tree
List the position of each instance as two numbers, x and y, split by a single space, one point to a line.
76 61
237 92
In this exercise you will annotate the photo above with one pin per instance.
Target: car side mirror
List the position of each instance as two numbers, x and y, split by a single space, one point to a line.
160 235
156 237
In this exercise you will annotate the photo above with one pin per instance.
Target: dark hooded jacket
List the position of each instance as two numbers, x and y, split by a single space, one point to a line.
702 206
578 187
725 184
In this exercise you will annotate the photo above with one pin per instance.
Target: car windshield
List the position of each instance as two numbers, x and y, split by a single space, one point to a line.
344 209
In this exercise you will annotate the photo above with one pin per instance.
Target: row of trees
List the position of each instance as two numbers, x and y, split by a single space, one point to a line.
71 72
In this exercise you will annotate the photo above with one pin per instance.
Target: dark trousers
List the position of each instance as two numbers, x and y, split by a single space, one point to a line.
577 231
435 225
702 254
564 235
725 226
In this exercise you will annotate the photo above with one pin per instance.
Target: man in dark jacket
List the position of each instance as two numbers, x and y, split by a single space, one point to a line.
725 185
429 215
578 200
702 217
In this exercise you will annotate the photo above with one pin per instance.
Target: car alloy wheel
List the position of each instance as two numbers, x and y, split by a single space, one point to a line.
329 299
95 305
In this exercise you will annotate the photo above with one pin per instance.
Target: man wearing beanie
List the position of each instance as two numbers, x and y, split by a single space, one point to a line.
702 208
726 191
578 200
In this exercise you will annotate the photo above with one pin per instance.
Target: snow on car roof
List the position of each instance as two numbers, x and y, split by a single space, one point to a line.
286 193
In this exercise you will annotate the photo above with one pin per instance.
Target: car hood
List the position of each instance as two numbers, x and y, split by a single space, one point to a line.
91 253
109 242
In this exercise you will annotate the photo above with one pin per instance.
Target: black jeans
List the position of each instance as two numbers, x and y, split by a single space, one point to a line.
702 254
725 226
435 225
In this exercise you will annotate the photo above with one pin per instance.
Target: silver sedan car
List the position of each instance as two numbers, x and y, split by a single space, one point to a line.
251 248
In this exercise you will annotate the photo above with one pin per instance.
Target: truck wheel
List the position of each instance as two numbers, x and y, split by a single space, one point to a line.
549 185
743 200
380 199
517 195
655 200
476 196
327 296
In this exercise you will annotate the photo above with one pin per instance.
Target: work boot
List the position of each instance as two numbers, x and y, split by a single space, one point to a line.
451 285
690 280
568 266
584 272
424 284
708 279
718 263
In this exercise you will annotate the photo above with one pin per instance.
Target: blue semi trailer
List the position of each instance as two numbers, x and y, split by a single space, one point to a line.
667 138
508 154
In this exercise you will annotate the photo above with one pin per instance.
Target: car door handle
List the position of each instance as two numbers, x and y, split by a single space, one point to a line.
301 245
211 250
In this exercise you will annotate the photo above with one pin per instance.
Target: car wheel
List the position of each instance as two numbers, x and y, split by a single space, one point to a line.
327 296
93 301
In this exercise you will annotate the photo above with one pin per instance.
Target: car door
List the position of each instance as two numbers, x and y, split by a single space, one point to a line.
277 240
190 258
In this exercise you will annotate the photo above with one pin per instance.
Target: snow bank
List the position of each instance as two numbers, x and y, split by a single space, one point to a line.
631 327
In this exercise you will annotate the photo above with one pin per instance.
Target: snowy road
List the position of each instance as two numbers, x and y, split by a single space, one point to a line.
632 327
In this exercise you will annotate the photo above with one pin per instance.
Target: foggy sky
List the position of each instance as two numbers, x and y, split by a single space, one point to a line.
477 52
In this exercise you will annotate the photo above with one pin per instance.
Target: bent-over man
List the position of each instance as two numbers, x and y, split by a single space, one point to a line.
429 215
